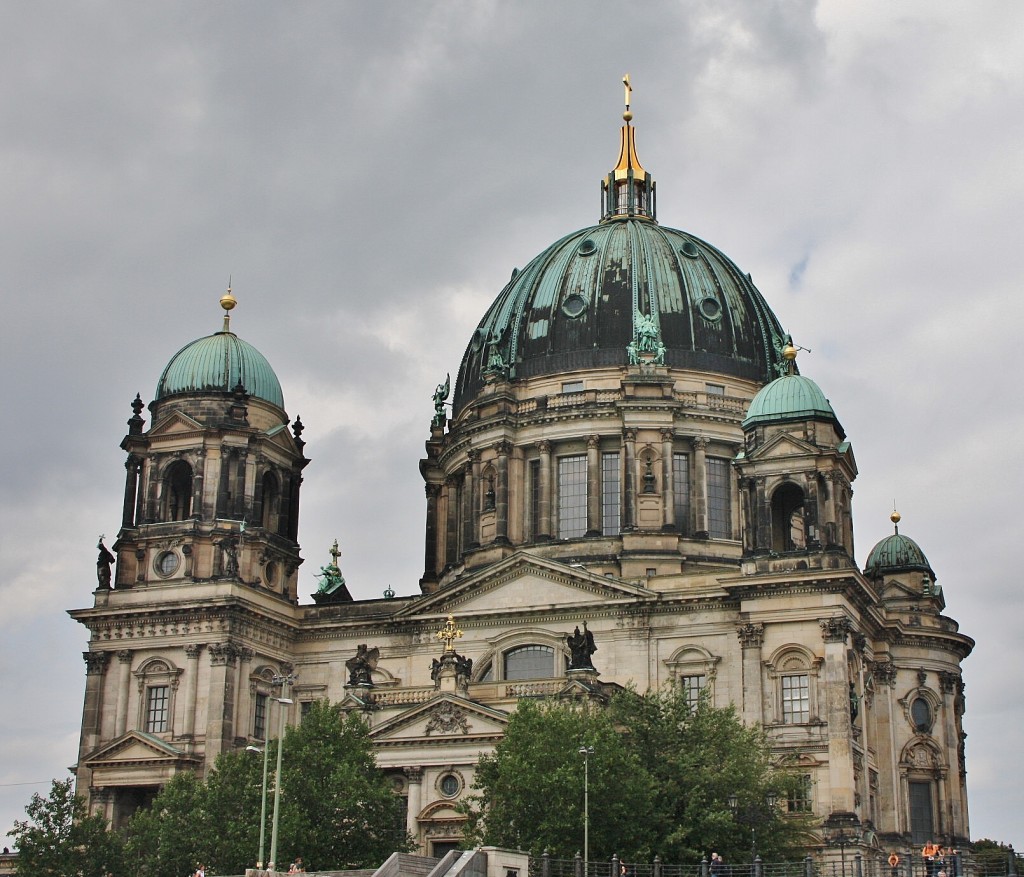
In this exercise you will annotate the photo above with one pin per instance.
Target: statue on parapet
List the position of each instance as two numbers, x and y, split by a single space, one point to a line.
440 397
103 563
581 647
361 666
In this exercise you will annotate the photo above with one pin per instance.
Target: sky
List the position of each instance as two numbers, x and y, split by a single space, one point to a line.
369 174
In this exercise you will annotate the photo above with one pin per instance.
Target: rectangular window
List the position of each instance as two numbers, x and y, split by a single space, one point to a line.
719 499
681 491
799 800
259 722
796 699
157 699
611 494
572 496
304 709
572 387
692 687
714 389
534 488
921 827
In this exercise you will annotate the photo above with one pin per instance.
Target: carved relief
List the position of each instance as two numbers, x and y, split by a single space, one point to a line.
447 718
750 635
949 682
835 630
884 672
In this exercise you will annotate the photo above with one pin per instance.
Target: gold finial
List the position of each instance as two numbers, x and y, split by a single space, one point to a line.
895 518
627 115
334 552
228 301
449 633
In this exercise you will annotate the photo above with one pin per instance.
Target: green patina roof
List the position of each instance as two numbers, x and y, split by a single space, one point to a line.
791 397
896 553
218 363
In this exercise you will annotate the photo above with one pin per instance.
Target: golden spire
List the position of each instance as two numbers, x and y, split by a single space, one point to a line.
627 152
628 191
227 301
627 115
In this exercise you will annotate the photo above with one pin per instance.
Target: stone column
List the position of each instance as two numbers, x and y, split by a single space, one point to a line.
950 685
834 632
503 449
668 480
191 679
474 499
451 492
890 811
243 695
430 546
131 490
832 538
629 479
699 492
414 775
594 486
468 508
751 637
92 713
198 477
124 679
220 718
544 504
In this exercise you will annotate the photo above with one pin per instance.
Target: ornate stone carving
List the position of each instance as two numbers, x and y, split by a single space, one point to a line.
922 677
432 490
593 442
447 718
125 656
95 662
224 653
192 650
860 641
949 682
884 672
699 443
836 629
413 774
751 635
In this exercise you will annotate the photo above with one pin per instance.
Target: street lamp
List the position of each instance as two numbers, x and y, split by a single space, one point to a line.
263 806
752 815
284 682
586 752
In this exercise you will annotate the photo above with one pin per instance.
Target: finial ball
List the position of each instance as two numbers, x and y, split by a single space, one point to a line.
895 517
628 116
789 352
227 301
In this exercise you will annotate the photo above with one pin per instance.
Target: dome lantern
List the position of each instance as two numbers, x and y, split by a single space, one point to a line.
628 191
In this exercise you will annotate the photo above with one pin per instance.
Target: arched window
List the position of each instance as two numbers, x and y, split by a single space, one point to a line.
270 503
530 662
788 532
178 491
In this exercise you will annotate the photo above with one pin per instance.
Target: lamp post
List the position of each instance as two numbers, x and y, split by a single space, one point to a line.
586 752
752 815
263 805
284 682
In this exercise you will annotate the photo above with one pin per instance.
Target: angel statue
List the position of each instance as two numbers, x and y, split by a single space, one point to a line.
361 665
440 396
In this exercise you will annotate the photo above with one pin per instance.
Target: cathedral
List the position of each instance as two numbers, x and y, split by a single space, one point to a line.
630 482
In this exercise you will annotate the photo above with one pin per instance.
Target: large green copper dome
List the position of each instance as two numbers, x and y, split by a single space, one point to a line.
573 306
218 363
787 398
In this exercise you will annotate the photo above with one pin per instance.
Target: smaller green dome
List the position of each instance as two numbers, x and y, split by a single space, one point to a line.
217 364
790 397
896 553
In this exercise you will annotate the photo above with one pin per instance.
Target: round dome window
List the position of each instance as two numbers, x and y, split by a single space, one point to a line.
587 247
450 785
689 249
167 563
574 305
710 309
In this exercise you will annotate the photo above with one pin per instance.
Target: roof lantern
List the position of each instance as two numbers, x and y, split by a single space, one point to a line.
896 553
628 191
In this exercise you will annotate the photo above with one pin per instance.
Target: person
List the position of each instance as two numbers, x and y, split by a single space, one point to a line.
717 865
297 866
200 871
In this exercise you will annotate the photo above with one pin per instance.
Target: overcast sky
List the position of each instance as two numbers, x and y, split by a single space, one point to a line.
370 173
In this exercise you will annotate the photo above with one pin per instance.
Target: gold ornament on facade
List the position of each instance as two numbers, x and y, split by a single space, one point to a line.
449 633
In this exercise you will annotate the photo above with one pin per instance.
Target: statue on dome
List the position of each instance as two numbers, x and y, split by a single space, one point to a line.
646 333
440 397
581 647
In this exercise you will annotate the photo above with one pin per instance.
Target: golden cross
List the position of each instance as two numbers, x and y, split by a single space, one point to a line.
334 552
629 89
449 633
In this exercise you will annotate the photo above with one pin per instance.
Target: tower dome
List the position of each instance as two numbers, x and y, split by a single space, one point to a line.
218 363
896 553
788 398
585 299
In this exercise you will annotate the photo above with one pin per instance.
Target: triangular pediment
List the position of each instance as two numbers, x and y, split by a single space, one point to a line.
783 445
175 422
893 589
444 718
135 747
523 582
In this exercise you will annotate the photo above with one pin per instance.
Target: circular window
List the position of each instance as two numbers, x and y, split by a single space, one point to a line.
921 714
270 573
574 305
167 563
710 309
450 785
478 339
587 247
689 249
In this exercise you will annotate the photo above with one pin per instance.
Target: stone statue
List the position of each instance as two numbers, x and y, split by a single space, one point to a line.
646 333
854 703
103 563
229 545
581 647
440 396
361 666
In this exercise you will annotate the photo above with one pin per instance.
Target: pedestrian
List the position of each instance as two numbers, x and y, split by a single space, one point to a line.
297 866
717 865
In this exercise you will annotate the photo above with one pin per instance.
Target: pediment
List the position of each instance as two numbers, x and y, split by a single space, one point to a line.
444 718
893 589
135 747
175 422
783 445
523 582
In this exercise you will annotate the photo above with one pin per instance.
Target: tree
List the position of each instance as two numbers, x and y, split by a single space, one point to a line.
337 808
60 839
700 757
993 857
530 791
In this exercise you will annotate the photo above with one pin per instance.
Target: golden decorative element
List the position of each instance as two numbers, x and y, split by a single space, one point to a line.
895 517
627 115
789 352
449 633
228 301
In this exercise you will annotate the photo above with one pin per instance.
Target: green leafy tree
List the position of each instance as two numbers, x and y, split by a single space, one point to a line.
530 791
172 835
60 839
991 857
699 758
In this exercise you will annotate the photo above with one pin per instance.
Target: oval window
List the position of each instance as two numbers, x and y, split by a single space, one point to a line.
450 785
167 563
574 305
710 309
587 247
478 339
689 249
921 713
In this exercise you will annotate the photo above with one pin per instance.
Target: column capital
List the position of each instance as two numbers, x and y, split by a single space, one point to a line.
668 435
835 630
884 672
751 635
125 656
413 774
432 490
949 682
593 442
699 443
503 448
192 650
544 446
95 662
629 434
